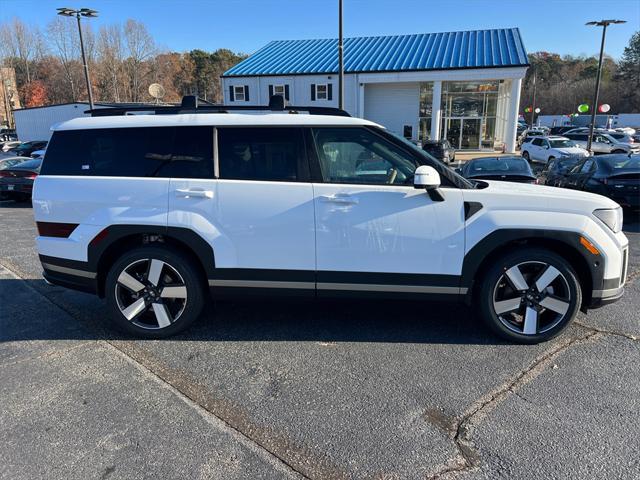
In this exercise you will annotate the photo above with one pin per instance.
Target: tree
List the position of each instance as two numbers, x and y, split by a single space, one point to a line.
630 62
34 94
140 48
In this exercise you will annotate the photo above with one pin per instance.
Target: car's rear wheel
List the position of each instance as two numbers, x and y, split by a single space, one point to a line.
525 155
154 292
530 295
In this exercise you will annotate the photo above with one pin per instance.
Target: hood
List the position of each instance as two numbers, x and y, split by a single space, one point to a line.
571 150
525 196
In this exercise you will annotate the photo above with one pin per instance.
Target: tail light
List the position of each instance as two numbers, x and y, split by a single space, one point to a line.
32 176
51 229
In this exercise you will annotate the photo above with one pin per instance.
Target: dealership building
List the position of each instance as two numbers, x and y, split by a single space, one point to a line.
462 86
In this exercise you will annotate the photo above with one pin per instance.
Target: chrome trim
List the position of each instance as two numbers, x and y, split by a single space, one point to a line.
69 271
361 287
611 292
389 288
261 284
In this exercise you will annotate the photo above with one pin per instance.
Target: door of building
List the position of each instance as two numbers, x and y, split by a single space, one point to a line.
463 133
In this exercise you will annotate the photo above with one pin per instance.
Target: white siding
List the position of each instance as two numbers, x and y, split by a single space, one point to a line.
35 123
393 105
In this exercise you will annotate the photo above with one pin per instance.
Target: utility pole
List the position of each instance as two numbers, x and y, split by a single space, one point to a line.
340 59
83 12
533 103
604 24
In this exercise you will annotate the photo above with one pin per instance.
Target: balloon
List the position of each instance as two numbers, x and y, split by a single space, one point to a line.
604 108
537 110
583 108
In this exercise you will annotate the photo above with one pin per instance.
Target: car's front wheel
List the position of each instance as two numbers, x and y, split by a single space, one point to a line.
530 295
154 292
525 155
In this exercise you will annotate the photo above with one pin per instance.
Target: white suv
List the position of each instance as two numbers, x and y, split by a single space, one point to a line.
544 149
151 211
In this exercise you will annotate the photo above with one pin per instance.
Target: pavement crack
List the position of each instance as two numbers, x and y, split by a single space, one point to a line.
605 331
468 458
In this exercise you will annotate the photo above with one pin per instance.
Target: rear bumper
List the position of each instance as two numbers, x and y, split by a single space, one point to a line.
69 274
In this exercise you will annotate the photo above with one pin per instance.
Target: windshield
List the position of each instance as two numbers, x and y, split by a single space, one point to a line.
510 165
561 143
429 160
622 162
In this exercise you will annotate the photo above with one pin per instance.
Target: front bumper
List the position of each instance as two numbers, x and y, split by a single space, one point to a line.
613 288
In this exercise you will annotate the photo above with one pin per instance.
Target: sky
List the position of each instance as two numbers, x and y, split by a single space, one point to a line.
246 25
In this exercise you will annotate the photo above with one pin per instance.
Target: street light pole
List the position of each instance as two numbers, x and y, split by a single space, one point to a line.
604 24
83 12
340 59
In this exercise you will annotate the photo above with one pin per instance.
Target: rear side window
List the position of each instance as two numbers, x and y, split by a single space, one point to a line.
185 152
537 142
269 154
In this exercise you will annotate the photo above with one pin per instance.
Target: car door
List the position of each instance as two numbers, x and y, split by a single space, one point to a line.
535 149
258 215
577 175
601 144
374 230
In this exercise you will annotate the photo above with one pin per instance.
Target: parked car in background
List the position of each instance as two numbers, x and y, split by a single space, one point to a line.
16 182
7 134
8 145
544 149
508 169
603 143
25 149
440 149
622 137
560 130
8 163
38 153
555 170
616 176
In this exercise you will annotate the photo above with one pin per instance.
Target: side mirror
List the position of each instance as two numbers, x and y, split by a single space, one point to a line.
428 178
458 171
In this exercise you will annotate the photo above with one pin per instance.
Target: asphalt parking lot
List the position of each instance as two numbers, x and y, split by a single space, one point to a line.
317 390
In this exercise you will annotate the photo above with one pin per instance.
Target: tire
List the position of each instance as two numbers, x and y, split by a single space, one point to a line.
525 155
550 158
138 298
618 151
511 304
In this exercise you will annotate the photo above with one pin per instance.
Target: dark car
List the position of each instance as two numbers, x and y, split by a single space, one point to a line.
555 171
25 149
509 169
440 149
16 182
560 130
616 176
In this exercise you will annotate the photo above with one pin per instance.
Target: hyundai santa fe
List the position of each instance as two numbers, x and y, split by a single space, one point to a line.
155 211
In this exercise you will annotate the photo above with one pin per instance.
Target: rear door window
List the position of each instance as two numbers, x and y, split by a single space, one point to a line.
132 152
262 153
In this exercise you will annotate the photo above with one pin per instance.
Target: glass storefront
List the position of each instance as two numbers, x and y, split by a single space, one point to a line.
468 113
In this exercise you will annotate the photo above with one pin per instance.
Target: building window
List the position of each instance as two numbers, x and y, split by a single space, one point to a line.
239 93
321 91
282 90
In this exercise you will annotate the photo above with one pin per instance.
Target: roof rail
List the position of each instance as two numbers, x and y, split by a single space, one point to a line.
189 104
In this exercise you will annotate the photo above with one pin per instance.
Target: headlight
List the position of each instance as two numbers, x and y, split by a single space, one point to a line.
611 217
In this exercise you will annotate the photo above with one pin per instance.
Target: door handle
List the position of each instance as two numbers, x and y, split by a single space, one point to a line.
192 193
339 198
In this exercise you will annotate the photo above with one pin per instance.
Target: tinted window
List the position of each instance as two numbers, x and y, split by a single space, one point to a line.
499 165
586 166
356 155
273 154
29 165
537 142
132 152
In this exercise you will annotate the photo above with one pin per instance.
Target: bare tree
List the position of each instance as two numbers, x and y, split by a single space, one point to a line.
20 45
140 48
64 39
110 59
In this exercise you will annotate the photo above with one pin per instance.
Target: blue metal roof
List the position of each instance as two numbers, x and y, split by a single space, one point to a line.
426 51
